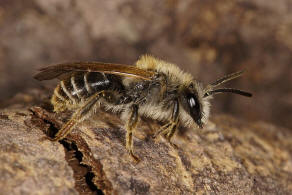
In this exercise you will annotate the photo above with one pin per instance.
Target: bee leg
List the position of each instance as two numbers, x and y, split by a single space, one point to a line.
171 132
162 129
131 126
78 116
169 129
163 88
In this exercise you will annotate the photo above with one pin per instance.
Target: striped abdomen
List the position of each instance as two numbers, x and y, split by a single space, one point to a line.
81 85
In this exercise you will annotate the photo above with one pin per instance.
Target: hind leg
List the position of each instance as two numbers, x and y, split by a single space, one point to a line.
78 116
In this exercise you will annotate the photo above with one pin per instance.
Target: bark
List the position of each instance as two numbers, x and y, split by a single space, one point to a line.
228 156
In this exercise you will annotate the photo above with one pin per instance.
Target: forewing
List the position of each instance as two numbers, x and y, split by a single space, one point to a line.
62 70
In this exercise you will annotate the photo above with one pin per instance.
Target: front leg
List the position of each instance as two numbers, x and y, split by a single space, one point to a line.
169 129
130 127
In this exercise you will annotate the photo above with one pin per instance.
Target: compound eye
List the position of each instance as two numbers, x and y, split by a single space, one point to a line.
194 108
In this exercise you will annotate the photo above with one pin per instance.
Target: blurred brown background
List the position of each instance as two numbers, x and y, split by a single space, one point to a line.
205 37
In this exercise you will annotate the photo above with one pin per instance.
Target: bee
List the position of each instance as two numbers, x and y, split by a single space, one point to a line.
153 88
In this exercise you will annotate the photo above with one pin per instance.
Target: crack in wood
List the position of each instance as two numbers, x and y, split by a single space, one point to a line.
84 167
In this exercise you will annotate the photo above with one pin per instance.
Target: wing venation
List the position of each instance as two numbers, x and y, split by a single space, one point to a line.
61 70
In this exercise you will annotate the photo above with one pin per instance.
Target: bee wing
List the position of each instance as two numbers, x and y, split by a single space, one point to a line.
62 70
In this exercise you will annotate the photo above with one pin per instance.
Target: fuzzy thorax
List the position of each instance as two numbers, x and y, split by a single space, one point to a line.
172 71
175 76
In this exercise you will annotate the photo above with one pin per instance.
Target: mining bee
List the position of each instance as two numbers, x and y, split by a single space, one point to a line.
153 88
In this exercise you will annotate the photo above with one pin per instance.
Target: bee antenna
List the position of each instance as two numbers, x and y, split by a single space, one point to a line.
226 78
228 90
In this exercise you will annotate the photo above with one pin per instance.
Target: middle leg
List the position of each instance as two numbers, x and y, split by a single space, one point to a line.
131 126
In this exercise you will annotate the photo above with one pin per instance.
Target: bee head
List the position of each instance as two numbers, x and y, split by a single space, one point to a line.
195 99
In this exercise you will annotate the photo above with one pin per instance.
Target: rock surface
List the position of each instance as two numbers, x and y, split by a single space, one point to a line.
228 157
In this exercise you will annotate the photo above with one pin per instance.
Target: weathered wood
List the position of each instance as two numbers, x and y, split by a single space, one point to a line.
227 157
27 165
